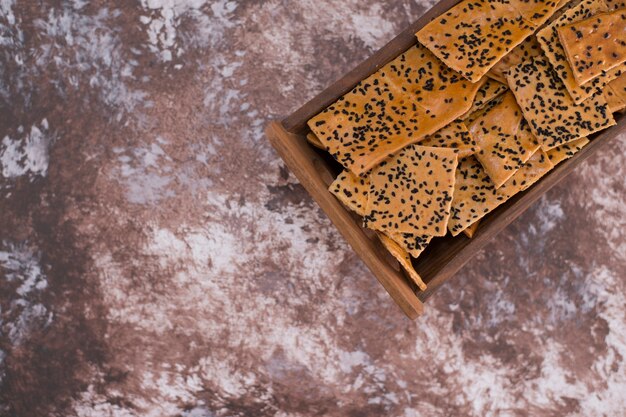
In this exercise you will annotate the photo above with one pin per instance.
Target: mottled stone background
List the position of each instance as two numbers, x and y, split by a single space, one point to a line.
157 259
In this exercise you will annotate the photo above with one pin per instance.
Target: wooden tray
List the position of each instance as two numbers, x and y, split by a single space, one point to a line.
445 255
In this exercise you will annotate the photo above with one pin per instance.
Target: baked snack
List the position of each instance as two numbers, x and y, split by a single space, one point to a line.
412 191
549 41
504 139
595 45
454 136
474 35
408 99
553 116
475 195
615 94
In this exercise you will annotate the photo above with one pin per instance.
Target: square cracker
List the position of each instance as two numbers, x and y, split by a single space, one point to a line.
351 190
553 116
595 45
548 39
565 151
411 97
368 123
504 138
454 136
475 195
411 192
474 35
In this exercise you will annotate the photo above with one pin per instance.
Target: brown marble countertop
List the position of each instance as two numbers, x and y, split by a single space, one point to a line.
157 259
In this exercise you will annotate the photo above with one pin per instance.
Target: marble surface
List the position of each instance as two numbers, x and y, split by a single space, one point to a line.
157 259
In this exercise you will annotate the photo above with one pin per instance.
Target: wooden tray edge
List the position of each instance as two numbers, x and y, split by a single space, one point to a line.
305 165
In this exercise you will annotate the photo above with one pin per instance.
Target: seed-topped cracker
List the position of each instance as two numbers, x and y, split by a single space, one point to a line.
553 116
595 45
403 259
536 167
368 123
411 191
548 38
474 35
615 94
454 136
411 97
433 85
413 244
565 151
475 195
351 190
468 120
487 92
615 4
522 52
504 139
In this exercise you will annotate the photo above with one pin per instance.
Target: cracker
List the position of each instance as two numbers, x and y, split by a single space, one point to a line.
351 190
474 35
431 84
595 45
403 258
488 91
368 123
553 116
468 120
413 244
475 195
411 97
615 4
527 49
411 191
505 142
536 167
615 94
548 39
454 136
565 151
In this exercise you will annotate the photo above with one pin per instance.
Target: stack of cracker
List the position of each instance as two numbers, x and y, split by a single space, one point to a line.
492 97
